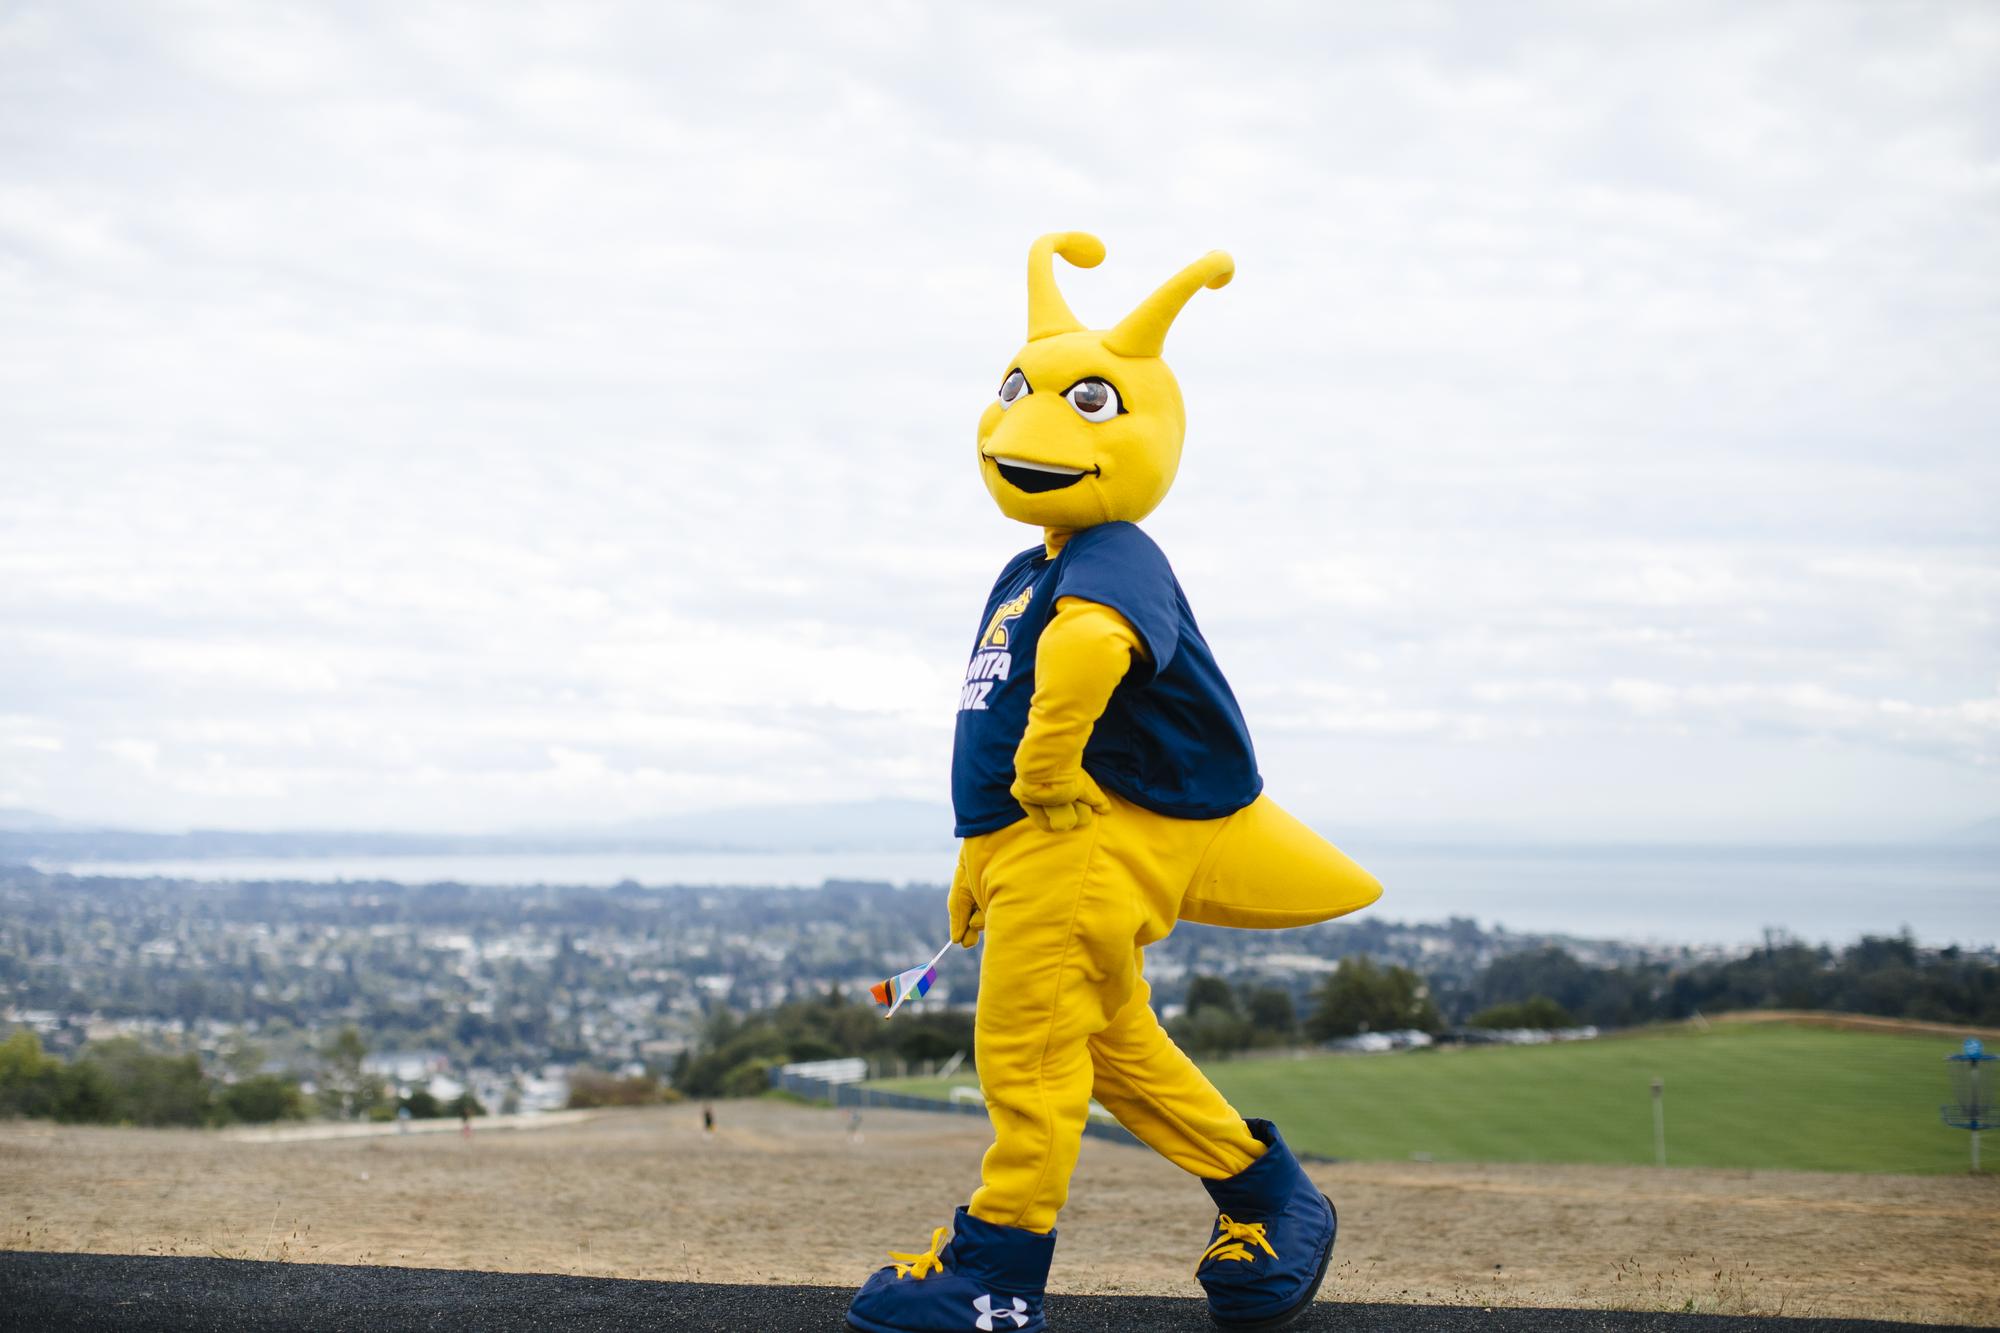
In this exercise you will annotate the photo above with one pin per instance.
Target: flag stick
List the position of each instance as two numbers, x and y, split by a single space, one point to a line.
906 994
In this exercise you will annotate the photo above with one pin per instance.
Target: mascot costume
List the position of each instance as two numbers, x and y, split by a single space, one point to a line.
1105 788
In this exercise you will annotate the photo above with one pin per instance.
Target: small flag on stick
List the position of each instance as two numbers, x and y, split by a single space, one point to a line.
916 981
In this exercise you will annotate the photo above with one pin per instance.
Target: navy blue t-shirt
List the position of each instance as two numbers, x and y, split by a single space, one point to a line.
1172 738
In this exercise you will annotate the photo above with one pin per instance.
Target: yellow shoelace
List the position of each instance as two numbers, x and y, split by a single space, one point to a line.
924 1262
1231 1243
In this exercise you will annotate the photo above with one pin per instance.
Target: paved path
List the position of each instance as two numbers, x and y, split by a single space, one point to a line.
372 1129
53 1293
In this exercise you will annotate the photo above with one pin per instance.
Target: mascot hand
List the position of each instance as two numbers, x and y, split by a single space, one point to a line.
1058 807
966 918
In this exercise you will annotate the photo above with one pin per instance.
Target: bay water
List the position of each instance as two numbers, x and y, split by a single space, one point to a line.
1694 894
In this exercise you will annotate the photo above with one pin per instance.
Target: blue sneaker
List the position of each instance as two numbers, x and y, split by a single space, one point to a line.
988 1278
1272 1242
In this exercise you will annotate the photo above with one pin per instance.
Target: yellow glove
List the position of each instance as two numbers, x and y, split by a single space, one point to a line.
1085 650
966 918
1060 807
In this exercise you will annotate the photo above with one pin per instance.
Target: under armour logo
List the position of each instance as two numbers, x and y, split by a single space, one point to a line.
988 1312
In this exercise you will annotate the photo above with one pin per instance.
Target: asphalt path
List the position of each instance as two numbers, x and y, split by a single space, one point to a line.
51 1293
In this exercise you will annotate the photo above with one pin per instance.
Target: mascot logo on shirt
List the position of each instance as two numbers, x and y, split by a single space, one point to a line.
1088 425
992 660
996 628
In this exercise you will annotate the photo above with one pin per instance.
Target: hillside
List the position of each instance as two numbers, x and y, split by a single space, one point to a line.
1743 1095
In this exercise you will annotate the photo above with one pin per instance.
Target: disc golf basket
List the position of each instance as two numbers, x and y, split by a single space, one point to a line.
1973 1102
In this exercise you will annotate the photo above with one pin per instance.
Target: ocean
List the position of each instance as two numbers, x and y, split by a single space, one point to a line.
1728 895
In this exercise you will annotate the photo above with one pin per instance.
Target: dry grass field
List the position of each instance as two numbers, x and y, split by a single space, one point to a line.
778 1194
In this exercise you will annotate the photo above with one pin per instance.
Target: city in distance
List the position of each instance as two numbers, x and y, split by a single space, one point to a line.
1943 891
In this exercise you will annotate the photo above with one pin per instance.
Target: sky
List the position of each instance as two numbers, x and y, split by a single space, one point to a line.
454 416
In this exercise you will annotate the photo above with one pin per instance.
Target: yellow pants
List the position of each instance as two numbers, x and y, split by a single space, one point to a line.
1063 1004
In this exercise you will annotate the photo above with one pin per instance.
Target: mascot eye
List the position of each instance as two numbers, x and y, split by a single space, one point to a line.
1094 400
1013 387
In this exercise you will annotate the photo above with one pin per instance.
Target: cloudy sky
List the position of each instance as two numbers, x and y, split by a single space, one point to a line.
470 416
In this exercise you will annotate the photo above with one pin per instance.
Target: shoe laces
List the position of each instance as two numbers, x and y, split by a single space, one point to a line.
1234 1240
924 1262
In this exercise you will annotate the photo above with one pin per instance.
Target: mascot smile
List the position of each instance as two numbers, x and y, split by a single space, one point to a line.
1105 788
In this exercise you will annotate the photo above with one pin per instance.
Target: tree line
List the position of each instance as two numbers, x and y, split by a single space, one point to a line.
123 1082
1889 976
735 1055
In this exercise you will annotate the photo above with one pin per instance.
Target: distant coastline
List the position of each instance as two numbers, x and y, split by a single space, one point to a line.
1728 895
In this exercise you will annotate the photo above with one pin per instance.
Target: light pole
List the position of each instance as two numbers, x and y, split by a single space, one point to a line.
1659 1122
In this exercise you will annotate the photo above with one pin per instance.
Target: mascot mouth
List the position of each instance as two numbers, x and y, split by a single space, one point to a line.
1038 477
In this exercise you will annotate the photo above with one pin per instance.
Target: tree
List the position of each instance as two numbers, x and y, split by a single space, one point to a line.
148 1087
345 1089
30 1082
816 1027
1272 1014
85 1096
1608 996
1209 993
1550 972
930 1037
1213 1031
242 1057
1363 997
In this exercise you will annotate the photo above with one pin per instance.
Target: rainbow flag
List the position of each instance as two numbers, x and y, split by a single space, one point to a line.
916 981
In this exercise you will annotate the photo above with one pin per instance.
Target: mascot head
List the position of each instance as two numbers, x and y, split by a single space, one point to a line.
1088 425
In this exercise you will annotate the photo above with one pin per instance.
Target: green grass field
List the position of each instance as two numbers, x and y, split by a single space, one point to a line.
1751 1095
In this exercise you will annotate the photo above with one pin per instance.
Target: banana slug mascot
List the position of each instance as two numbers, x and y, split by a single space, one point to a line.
1105 788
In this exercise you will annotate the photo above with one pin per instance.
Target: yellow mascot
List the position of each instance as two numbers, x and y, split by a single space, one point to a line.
1105 788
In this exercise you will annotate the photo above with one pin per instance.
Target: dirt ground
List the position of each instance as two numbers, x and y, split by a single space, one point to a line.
779 1194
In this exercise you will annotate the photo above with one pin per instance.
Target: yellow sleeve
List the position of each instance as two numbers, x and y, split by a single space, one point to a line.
1084 652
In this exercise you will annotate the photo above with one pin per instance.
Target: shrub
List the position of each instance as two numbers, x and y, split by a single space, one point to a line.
590 1088
261 1100
1212 1031
148 1087
1537 1011
748 1079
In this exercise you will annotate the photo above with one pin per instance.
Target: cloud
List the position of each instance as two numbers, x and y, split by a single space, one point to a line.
431 414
